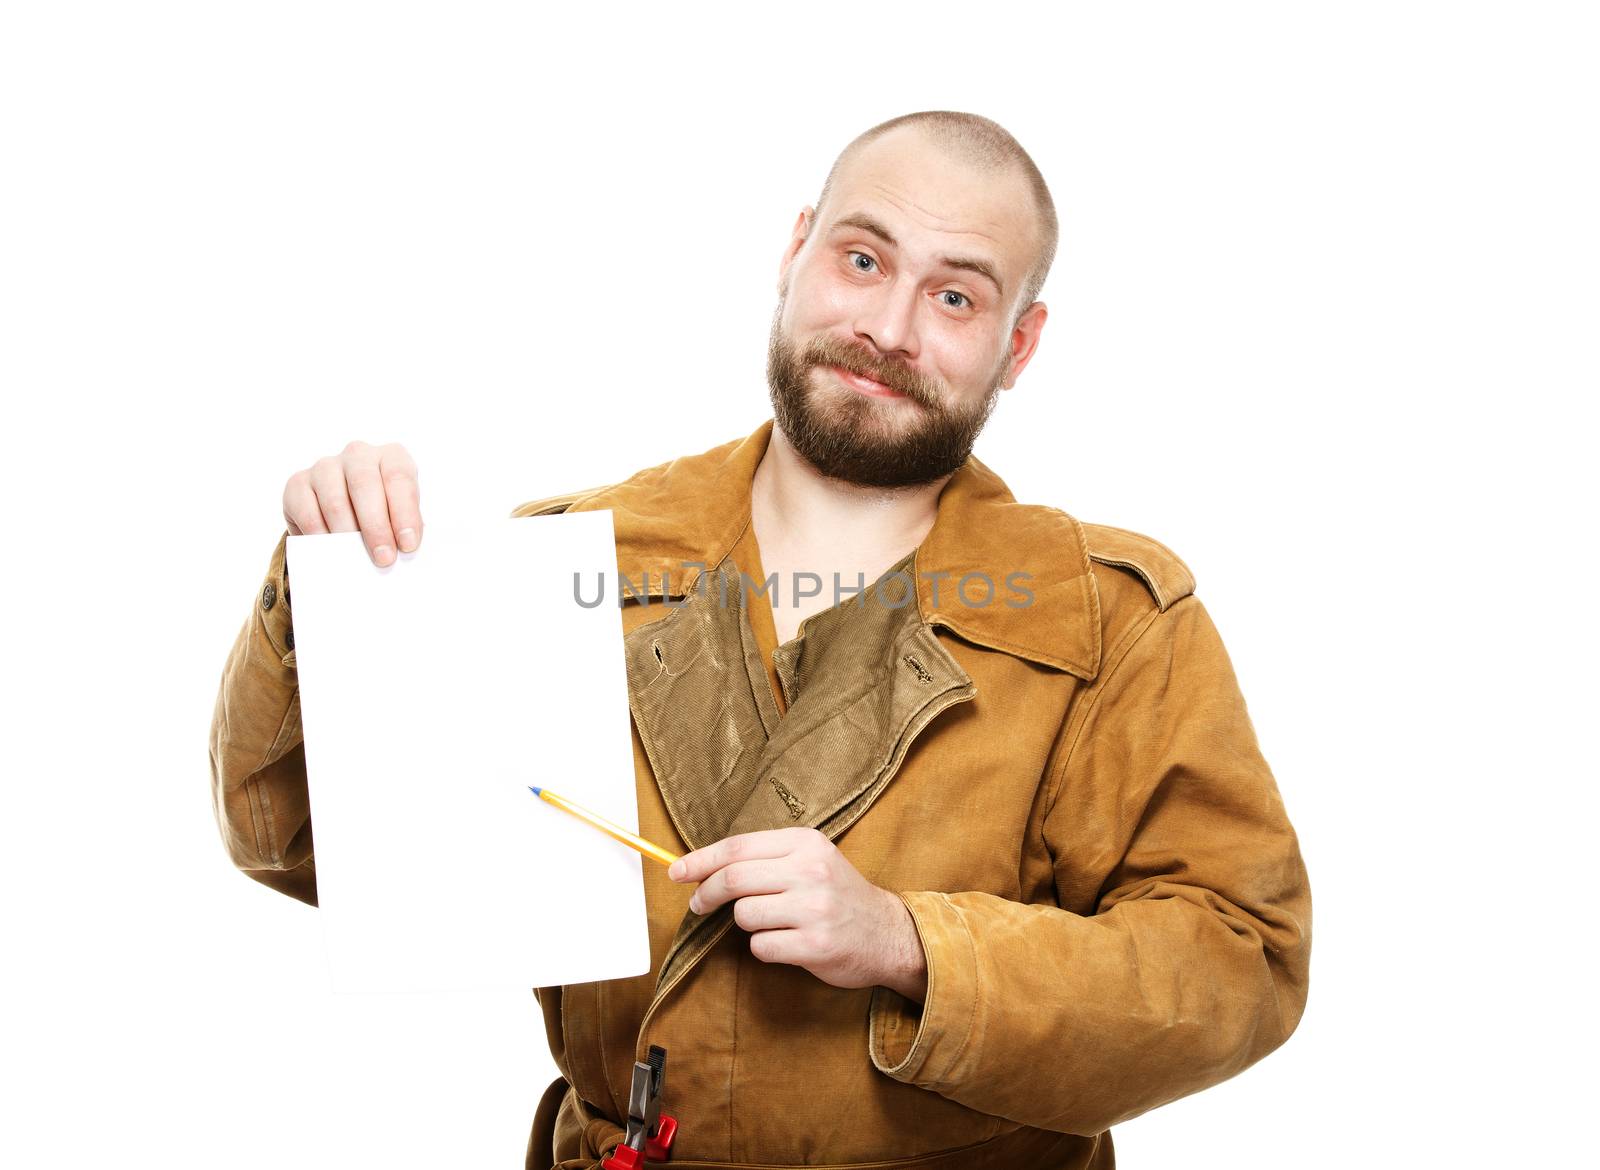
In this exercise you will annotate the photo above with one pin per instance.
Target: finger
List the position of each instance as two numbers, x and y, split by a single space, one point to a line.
738 880
367 498
300 509
333 498
697 866
771 912
781 946
399 475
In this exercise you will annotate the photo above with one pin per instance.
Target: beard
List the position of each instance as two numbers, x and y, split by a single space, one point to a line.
858 438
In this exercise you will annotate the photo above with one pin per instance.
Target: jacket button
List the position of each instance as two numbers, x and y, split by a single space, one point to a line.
269 594
288 638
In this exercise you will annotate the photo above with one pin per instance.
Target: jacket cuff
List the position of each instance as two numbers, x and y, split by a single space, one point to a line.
922 1045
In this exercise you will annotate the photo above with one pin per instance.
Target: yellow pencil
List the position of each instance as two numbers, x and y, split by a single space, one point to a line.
649 850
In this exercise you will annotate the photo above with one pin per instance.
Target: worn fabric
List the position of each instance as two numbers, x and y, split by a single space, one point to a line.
1067 793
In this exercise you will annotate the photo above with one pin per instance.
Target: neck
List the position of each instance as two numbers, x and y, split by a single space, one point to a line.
796 506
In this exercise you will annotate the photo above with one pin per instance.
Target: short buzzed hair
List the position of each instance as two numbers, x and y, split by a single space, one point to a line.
987 145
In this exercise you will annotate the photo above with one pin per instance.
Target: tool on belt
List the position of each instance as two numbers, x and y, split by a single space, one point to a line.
650 1131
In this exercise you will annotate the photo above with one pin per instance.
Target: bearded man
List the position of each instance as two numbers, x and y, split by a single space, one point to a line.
981 853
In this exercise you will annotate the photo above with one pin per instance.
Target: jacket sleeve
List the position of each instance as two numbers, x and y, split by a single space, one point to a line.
258 763
1195 963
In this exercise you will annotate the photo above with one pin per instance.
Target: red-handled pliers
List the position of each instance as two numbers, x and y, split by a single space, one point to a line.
650 1131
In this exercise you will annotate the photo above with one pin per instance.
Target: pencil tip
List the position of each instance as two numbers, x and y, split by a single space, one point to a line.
533 790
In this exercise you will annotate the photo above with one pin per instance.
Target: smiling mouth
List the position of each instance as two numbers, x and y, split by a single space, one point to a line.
865 385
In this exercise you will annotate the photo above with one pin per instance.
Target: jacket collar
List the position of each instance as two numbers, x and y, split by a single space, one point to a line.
686 515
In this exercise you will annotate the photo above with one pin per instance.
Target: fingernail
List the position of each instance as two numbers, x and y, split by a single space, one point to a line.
408 540
675 870
383 554
694 903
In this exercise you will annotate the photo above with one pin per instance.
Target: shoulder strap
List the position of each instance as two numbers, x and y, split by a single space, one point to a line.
551 505
1162 570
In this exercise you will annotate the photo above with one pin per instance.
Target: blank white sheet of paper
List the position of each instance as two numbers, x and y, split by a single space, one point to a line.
433 692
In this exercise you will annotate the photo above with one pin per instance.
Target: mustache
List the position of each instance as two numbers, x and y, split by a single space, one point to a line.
829 351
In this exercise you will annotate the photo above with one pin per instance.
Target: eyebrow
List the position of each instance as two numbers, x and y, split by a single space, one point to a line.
863 222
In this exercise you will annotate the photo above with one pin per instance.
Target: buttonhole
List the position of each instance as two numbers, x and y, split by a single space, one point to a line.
795 806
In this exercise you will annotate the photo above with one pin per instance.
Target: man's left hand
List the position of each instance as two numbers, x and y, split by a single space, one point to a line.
805 904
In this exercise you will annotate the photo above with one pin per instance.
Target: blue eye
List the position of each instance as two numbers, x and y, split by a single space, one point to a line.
953 293
871 263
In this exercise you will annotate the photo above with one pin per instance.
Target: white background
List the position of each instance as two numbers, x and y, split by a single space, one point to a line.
1322 321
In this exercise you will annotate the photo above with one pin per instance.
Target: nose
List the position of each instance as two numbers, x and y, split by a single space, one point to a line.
888 319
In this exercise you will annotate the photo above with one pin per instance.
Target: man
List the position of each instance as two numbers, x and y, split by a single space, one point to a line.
981 859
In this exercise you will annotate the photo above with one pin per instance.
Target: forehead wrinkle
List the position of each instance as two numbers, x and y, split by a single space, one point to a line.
934 219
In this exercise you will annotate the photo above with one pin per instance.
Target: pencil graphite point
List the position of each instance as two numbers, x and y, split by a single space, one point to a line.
533 790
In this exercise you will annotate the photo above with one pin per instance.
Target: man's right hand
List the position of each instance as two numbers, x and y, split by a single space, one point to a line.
365 489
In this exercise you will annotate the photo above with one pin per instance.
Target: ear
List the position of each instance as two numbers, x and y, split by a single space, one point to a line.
1025 341
797 239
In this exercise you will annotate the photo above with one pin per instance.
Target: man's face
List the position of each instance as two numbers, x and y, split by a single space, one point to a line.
893 334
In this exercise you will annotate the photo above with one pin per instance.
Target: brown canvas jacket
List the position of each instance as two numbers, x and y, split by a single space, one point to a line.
1068 794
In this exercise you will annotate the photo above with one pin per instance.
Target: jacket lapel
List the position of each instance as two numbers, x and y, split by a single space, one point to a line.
864 678
698 716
